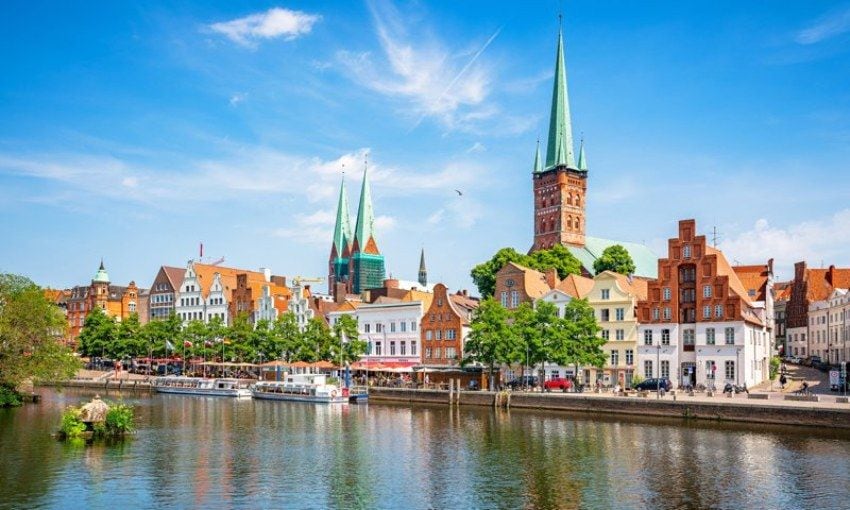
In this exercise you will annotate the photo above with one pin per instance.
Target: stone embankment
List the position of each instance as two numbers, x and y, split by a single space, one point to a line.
808 412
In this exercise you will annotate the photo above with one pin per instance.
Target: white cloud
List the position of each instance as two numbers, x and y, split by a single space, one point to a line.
476 148
384 224
828 26
237 98
130 182
825 240
435 81
276 22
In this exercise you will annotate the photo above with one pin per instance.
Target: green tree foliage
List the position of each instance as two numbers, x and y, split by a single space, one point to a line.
99 334
491 340
286 336
773 370
582 345
315 342
129 339
347 346
615 258
557 257
240 334
31 328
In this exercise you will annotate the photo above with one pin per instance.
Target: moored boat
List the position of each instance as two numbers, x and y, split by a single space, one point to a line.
202 386
301 388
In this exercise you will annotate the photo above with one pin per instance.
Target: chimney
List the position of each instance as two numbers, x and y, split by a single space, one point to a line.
267 273
339 293
551 277
799 270
463 292
391 283
830 275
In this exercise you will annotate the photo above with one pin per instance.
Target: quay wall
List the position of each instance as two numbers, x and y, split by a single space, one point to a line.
749 412
107 384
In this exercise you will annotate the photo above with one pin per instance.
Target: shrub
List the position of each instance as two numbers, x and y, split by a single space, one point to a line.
636 379
119 419
774 367
72 425
9 397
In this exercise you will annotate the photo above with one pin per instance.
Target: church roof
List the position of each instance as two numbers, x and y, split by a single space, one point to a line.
365 227
646 262
559 149
342 228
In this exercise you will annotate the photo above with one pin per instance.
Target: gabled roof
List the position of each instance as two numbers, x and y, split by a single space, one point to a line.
576 286
629 284
463 305
206 273
754 280
781 291
821 282
724 269
534 281
174 275
646 262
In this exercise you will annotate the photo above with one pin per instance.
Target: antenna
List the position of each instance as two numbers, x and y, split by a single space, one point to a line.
715 236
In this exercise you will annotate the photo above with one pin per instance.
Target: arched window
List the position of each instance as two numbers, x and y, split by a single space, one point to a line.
576 223
569 221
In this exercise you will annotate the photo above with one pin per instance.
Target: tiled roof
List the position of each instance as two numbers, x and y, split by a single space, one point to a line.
646 262
576 286
754 279
821 282
724 269
174 275
463 305
205 273
631 284
534 281
782 291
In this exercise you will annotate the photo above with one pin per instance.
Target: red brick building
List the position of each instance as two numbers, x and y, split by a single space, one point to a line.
445 326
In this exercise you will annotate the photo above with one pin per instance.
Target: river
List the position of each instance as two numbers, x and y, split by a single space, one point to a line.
217 453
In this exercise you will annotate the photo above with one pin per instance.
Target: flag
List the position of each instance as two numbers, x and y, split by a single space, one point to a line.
169 345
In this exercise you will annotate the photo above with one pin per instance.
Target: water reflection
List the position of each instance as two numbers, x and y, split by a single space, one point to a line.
224 453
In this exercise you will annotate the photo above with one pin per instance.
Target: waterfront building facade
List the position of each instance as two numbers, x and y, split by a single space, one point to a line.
115 300
390 328
699 324
445 327
829 326
807 287
164 292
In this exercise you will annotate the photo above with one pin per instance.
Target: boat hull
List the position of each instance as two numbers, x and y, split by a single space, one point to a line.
203 392
289 397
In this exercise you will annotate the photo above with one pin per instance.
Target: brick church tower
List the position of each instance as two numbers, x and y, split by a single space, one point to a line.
560 186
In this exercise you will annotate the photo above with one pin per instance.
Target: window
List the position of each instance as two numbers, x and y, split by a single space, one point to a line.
718 311
392 327
437 352
403 326
665 369
730 370
686 252
666 293
647 337
392 348
620 314
706 291
505 299
412 348
604 315
620 334
730 336
630 357
647 369
667 313
367 328
427 353
615 358
451 334
451 353
514 298
412 326
605 334
665 337
655 313
688 337
706 312
429 335
709 336
438 334
377 348
606 293
378 327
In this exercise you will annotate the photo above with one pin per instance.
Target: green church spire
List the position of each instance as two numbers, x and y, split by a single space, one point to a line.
559 150
582 159
364 229
538 163
342 230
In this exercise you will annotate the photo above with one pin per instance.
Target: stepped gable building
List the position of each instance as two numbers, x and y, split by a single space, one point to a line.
115 300
260 299
164 292
807 287
445 326
355 259
560 189
700 323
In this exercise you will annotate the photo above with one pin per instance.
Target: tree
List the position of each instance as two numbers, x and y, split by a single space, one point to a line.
240 334
491 340
583 345
557 257
31 329
314 343
529 332
286 336
347 346
99 335
615 258
129 341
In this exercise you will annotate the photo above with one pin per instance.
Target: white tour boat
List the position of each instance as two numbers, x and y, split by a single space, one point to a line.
202 386
301 388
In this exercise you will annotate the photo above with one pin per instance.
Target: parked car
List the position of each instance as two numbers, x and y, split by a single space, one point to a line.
558 383
530 381
811 361
654 384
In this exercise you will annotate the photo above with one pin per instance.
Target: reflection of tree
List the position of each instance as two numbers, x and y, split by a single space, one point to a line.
351 480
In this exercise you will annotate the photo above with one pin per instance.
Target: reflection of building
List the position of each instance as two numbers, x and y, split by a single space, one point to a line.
560 187
116 301
445 326
808 286
699 323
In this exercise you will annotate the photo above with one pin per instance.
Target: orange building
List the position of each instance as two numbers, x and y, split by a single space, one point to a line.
117 301
445 326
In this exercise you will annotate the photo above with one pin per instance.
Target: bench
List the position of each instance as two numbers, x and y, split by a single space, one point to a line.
759 396
802 398
842 400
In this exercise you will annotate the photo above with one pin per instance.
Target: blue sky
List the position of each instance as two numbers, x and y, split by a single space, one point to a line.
133 131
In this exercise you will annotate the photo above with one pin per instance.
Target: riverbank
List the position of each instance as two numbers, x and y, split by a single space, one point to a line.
809 413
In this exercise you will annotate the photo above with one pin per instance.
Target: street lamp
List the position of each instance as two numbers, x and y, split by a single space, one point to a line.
525 375
658 378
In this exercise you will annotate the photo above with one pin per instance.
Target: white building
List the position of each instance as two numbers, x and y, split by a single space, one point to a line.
828 327
390 330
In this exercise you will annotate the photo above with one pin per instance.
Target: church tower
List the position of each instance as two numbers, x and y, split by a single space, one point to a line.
341 245
423 273
560 184
366 264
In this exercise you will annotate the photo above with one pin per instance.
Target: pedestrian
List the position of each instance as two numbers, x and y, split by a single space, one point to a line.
782 381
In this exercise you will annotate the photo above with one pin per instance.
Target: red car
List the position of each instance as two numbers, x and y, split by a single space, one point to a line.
558 383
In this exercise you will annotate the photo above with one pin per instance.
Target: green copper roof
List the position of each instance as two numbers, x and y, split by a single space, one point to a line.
342 230
365 216
559 151
538 162
646 262
582 160
102 276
